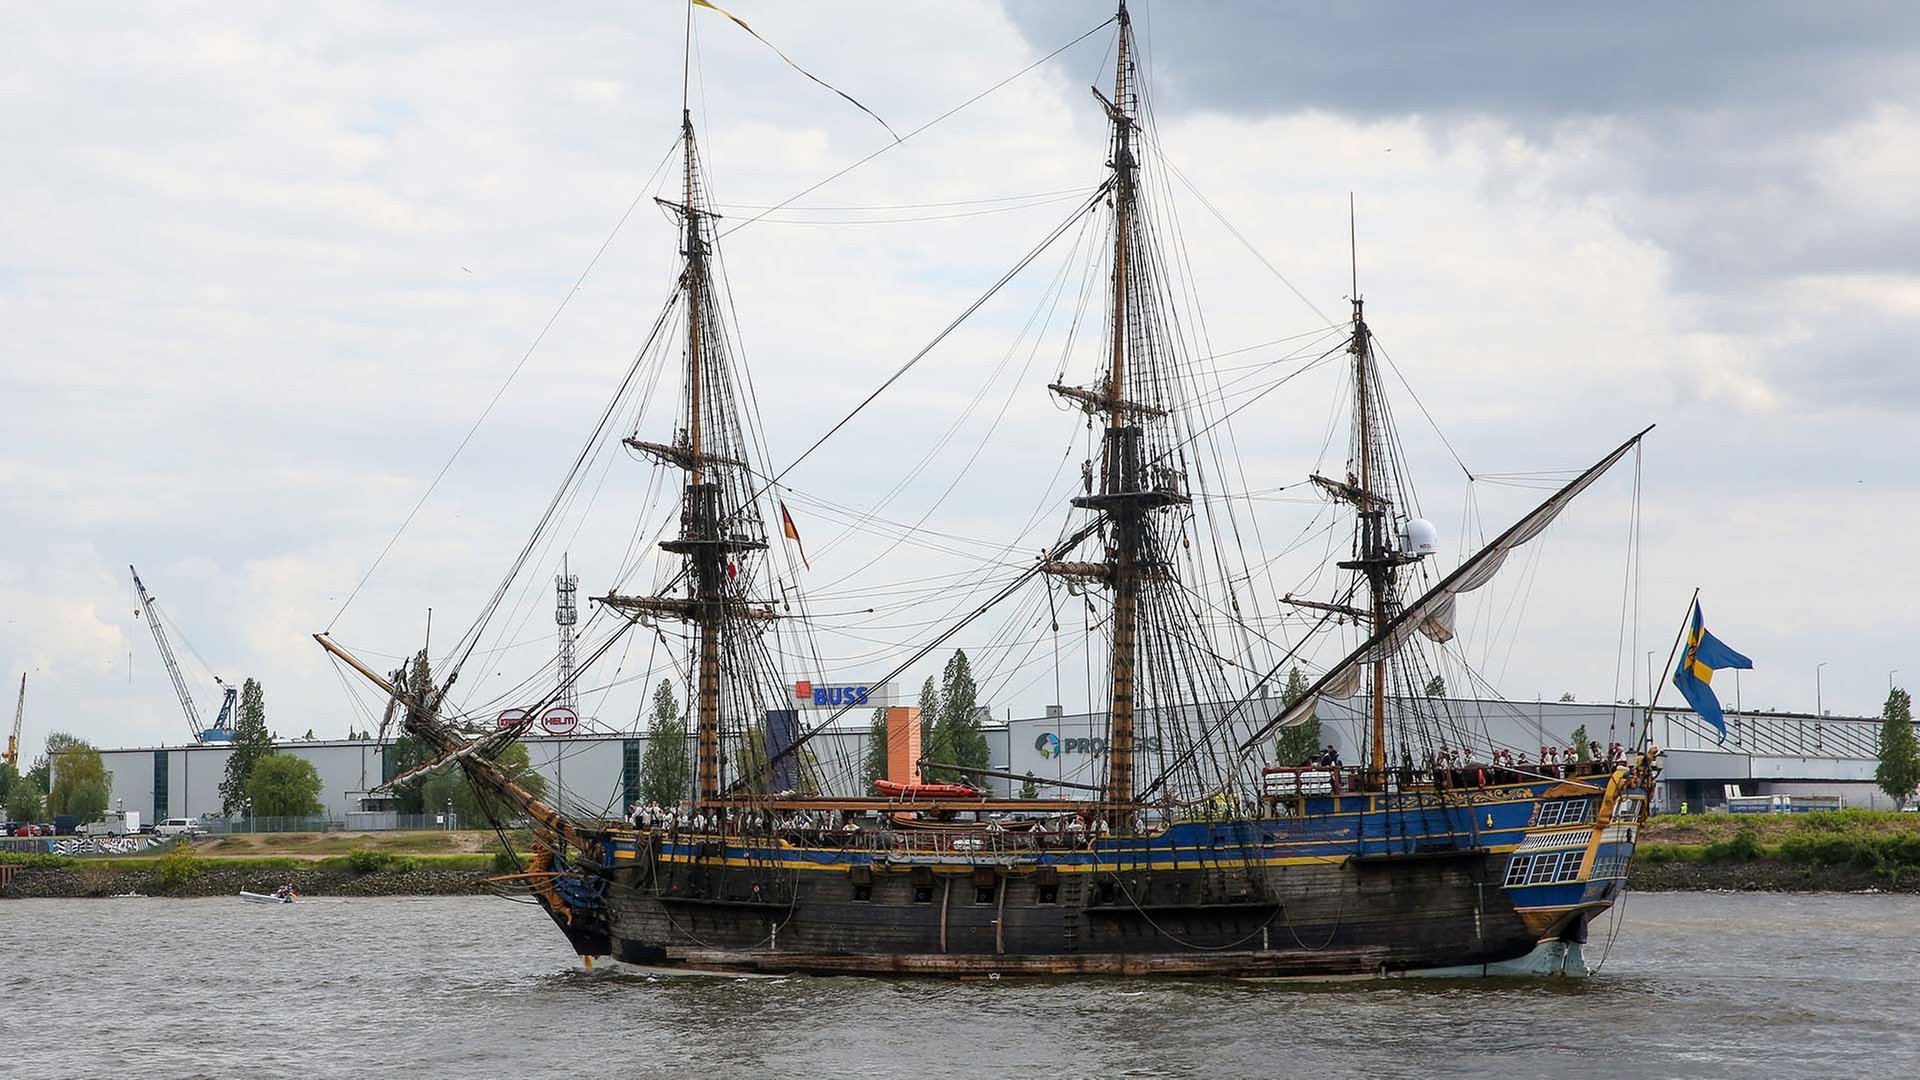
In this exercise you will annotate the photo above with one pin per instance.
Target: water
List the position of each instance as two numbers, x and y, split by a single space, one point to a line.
1696 985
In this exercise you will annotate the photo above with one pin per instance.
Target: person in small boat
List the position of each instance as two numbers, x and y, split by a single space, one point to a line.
284 892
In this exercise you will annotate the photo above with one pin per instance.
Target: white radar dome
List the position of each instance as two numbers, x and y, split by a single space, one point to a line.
1422 538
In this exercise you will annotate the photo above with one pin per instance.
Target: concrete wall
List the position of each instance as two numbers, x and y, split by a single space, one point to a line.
584 773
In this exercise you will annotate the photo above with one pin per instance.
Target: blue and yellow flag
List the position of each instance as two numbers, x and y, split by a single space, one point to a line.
1704 654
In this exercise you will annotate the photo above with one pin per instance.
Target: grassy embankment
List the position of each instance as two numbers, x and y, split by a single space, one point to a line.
1844 849
340 863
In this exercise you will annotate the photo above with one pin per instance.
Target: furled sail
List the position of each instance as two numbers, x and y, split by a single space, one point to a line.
1433 613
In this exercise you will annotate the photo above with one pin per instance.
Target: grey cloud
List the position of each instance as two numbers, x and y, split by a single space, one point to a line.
1511 59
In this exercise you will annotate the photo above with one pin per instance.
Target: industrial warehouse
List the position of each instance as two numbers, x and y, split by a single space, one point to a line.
1766 753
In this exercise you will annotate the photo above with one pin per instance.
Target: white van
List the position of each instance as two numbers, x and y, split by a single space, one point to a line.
180 826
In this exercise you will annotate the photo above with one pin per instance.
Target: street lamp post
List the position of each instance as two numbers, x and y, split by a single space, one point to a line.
1819 708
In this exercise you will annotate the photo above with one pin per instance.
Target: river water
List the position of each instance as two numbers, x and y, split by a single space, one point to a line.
1697 985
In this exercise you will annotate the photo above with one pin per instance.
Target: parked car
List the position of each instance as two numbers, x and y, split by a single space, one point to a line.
180 826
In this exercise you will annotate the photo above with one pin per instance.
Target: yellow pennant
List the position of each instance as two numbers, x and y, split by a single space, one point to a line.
742 24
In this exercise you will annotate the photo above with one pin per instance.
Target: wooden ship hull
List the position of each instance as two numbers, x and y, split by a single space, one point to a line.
1340 889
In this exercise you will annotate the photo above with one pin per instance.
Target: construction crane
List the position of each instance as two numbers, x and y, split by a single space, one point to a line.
221 730
12 756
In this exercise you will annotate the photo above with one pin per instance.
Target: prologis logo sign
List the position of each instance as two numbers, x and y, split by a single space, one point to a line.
1051 745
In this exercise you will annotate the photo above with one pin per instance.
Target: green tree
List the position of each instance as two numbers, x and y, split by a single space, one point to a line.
25 803
282 785
9 776
1302 742
930 748
666 772
1580 744
81 782
1030 787
1566 695
1899 769
876 763
41 774
252 743
1436 687
408 752
957 731
451 784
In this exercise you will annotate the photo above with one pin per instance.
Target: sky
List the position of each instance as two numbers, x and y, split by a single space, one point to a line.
265 268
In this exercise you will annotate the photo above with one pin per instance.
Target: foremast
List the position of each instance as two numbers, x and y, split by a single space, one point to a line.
719 522
1130 488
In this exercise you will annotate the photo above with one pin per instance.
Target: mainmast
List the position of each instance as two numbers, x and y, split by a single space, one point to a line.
712 534
1126 494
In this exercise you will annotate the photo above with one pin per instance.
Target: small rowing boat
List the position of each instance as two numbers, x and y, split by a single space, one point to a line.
287 897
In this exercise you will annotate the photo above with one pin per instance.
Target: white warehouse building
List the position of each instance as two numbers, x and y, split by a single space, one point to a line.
1764 753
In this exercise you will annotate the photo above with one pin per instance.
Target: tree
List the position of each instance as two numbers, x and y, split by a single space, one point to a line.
409 752
81 782
1566 695
1899 770
25 803
876 763
282 785
667 769
40 776
451 785
957 732
9 776
930 749
1580 752
1301 743
1030 787
1436 687
251 743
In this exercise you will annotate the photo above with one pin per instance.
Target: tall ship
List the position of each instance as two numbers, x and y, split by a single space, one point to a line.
1190 848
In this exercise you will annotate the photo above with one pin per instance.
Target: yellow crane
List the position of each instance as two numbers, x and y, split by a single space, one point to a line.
12 756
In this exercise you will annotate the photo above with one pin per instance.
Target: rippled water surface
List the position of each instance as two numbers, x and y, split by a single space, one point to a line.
1694 985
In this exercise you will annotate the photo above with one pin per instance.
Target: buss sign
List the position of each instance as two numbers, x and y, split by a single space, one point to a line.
825 696
511 717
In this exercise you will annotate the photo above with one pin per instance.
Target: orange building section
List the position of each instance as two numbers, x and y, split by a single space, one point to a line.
903 745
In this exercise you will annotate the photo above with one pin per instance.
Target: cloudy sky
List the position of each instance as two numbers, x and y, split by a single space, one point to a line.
262 267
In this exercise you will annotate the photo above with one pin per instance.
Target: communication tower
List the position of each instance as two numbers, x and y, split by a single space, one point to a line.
565 615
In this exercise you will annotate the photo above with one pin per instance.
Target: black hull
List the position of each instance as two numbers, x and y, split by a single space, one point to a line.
1303 919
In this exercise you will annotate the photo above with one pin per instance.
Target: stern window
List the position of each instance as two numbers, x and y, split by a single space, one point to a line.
1517 869
1544 868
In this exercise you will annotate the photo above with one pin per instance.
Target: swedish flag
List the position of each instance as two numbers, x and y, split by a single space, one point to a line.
1704 655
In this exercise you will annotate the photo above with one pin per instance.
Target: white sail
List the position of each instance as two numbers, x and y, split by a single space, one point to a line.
1433 613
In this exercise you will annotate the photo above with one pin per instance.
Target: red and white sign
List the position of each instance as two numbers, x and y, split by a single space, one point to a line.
511 717
560 720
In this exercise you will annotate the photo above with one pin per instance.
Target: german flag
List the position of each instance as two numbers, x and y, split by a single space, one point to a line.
793 534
